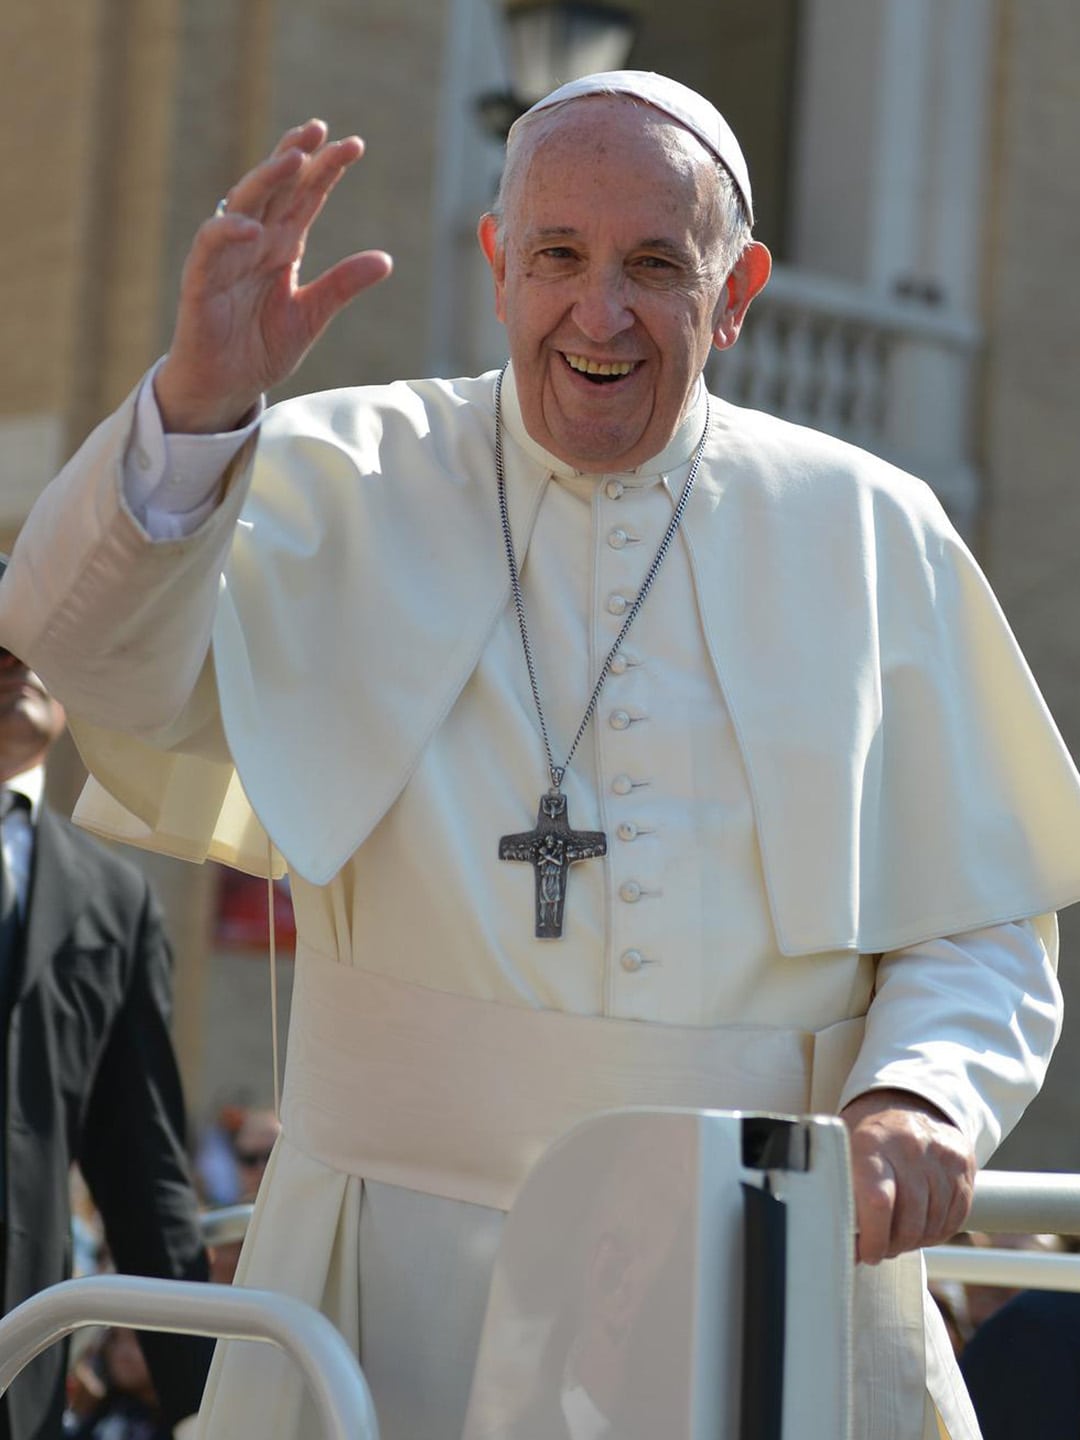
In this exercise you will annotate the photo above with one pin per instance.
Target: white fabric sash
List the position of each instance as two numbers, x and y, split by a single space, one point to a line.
459 1097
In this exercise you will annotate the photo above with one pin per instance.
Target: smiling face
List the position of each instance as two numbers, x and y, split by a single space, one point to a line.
610 279
30 719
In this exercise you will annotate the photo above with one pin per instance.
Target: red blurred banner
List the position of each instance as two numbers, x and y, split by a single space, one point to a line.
241 922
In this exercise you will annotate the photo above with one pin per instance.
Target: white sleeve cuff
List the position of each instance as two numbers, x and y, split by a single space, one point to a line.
968 1022
173 482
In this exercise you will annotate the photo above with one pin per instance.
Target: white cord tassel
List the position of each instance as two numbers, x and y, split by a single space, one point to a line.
273 975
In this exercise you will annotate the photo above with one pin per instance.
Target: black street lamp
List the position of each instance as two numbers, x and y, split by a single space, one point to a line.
550 42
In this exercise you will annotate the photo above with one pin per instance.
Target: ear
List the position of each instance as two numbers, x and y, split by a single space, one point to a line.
748 276
487 232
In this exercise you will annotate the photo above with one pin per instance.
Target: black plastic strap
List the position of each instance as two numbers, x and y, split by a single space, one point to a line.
764 1310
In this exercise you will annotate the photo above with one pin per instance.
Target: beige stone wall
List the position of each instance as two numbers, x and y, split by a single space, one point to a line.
249 69
86 101
47 95
1031 432
131 117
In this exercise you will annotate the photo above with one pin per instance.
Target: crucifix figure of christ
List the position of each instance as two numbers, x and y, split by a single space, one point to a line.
551 849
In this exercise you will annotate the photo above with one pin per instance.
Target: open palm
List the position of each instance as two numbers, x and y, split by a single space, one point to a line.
244 321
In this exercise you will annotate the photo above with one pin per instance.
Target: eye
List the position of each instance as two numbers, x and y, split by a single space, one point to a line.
655 262
557 252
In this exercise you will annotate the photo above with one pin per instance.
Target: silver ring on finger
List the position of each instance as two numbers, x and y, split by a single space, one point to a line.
221 207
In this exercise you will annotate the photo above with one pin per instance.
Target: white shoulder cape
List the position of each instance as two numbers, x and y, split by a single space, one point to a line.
907 779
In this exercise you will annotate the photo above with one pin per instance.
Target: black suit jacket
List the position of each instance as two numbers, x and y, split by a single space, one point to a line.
92 1077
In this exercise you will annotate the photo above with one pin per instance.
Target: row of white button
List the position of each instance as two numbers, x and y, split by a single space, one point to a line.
633 960
630 891
623 785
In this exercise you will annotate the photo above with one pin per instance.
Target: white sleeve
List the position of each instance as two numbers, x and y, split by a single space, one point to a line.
118 624
968 1022
172 483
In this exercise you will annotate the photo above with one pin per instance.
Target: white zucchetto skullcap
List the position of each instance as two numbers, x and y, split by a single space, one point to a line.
691 110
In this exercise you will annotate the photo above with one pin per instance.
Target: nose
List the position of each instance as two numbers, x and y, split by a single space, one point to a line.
600 311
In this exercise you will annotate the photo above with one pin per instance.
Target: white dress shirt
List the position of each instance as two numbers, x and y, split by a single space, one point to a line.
18 832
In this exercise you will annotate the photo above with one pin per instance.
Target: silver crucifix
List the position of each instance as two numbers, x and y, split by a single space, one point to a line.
551 849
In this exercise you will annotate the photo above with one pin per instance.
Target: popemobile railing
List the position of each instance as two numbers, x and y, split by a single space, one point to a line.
340 1391
1006 1202
226 1225
1015 1203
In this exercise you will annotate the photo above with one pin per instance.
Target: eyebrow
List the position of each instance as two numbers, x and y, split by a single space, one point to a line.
659 243
668 247
551 232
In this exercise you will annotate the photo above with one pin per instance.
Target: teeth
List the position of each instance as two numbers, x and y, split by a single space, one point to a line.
599 367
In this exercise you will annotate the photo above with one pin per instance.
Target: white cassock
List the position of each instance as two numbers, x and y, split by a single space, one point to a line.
819 751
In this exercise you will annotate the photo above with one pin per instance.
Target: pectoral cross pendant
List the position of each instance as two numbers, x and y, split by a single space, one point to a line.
551 849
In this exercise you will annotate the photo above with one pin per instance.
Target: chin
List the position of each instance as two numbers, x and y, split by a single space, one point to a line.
595 453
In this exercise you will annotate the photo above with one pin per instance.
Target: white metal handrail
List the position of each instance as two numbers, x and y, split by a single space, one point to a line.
1011 1202
1015 1269
1025 1202
1006 1202
230 1312
225 1225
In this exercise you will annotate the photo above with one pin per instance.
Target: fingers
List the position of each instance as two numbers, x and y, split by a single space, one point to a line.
292 183
875 1205
912 1173
897 1212
308 137
221 253
315 181
274 204
244 322
323 297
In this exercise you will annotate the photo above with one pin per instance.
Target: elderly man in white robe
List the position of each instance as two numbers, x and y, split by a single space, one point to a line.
797 816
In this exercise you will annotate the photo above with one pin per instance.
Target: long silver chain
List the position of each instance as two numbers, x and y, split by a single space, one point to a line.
557 772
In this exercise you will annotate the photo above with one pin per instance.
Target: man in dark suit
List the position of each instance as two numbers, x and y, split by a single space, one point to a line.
88 1072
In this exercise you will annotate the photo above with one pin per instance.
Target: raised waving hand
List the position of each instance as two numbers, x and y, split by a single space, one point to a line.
244 321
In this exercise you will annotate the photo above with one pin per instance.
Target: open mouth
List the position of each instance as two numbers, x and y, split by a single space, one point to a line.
600 372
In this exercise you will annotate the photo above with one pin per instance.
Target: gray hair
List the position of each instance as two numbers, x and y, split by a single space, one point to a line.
732 221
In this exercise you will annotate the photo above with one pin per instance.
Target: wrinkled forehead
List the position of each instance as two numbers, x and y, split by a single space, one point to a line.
626 137
610 119
685 107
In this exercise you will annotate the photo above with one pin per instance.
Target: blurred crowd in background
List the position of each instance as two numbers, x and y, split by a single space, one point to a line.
110 1394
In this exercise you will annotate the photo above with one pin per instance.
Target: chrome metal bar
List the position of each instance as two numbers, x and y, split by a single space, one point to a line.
1018 1269
225 1225
1006 1202
1024 1202
329 1366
